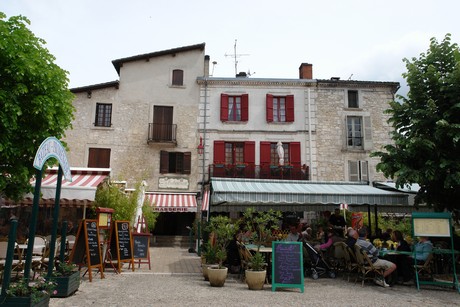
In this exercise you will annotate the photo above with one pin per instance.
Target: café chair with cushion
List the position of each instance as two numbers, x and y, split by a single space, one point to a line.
366 269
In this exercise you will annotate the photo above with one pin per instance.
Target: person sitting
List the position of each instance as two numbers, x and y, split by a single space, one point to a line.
388 266
422 249
387 235
402 244
403 262
320 234
336 220
332 237
294 234
352 236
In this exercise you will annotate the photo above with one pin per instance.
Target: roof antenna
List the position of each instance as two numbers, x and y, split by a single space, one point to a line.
349 78
235 56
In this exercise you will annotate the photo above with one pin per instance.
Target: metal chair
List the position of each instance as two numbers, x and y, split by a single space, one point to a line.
366 269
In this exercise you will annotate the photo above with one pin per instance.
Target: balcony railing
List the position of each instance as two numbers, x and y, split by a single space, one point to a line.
286 172
162 133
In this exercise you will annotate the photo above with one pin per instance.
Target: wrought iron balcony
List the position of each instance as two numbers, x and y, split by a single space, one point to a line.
286 172
162 133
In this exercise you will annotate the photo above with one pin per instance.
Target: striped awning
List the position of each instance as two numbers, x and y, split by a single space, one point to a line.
83 186
172 202
205 201
233 195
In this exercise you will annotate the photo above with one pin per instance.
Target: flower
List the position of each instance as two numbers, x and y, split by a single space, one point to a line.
64 269
36 289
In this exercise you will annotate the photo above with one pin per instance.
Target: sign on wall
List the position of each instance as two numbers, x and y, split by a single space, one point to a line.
173 183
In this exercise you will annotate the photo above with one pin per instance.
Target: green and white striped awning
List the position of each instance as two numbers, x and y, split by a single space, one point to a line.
236 194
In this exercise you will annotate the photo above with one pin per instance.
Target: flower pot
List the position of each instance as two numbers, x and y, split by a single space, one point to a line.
66 285
217 276
255 279
24 301
205 267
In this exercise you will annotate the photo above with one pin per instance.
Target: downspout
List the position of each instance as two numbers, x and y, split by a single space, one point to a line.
310 155
204 138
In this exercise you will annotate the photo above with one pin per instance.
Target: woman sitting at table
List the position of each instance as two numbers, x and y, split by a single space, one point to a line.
403 262
402 244
423 249
332 237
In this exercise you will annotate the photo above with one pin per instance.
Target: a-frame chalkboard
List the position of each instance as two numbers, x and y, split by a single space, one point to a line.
287 265
121 243
141 252
87 250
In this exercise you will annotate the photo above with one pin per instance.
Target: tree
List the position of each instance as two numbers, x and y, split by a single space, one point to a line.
35 103
426 124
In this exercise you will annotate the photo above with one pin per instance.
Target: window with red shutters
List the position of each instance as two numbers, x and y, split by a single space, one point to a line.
279 108
234 108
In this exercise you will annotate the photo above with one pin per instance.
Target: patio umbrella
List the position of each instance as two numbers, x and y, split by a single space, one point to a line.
280 152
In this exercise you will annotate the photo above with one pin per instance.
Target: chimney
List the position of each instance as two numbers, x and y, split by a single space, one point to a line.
306 71
206 66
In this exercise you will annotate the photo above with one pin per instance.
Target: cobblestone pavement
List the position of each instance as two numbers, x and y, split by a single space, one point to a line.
176 280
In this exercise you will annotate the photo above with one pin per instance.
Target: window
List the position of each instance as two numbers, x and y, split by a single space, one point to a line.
234 108
178 77
99 157
280 108
103 115
358 171
175 162
353 99
163 128
269 154
354 131
234 152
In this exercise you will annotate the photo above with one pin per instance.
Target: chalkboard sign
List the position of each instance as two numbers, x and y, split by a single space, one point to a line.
141 243
120 243
86 250
287 265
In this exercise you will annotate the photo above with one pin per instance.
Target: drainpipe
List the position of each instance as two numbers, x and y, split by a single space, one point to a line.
310 155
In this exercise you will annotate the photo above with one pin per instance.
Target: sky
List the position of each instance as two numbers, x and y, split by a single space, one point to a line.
355 39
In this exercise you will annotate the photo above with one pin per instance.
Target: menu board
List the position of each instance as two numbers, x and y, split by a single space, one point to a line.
141 242
87 250
431 227
287 265
120 243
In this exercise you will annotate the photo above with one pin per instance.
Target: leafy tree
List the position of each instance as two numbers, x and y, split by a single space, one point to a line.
35 103
426 134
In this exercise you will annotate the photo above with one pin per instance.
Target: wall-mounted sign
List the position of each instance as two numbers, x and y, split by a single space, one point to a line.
173 183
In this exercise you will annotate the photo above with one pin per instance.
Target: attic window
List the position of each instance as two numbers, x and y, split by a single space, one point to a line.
178 77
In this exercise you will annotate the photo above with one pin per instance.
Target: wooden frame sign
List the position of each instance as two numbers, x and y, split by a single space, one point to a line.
287 265
141 251
121 243
87 250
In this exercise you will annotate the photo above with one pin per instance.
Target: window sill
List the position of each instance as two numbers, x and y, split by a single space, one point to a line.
353 109
235 122
102 128
177 86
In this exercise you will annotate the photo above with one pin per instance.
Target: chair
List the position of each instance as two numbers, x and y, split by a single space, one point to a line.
16 265
424 269
347 257
46 255
38 252
366 269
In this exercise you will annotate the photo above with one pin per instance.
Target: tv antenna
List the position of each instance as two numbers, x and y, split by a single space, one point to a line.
235 56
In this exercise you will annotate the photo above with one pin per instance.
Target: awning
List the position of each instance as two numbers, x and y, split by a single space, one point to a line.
205 201
234 195
83 186
172 202
410 188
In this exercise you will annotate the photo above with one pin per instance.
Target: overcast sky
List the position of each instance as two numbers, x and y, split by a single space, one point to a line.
361 40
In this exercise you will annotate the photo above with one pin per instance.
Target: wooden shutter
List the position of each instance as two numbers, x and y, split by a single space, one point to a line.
250 152
224 107
367 139
353 170
269 108
219 152
99 157
290 108
265 158
363 168
294 149
178 77
187 162
164 162
244 107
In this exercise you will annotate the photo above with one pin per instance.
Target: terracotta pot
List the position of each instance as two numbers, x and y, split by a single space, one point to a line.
255 279
217 276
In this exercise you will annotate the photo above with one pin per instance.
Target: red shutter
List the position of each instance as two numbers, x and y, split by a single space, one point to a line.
269 111
294 148
219 152
290 108
164 162
250 152
265 153
244 107
224 107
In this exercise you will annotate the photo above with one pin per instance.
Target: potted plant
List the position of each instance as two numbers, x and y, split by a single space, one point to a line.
260 225
23 293
67 279
224 230
210 258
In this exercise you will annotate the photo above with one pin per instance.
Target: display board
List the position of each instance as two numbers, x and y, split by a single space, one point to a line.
141 244
287 265
87 250
121 244
431 227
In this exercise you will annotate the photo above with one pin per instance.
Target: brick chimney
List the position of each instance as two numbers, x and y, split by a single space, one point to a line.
306 71
206 65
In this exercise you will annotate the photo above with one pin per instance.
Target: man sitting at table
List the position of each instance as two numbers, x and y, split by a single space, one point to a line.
373 253
294 233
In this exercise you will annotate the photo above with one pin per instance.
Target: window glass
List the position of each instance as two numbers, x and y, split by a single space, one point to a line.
354 131
234 108
353 99
103 115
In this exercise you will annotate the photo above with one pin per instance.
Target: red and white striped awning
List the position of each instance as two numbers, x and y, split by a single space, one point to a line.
83 186
172 202
205 201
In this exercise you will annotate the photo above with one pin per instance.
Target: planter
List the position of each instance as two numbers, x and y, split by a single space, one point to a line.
24 301
66 285
255 279
217 276
205 268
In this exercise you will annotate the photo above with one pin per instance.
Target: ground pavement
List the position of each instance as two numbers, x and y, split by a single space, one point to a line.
176 280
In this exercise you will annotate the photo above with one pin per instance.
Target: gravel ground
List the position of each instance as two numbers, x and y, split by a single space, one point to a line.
148 289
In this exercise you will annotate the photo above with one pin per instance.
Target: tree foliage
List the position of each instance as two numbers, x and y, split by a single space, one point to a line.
426 124
35 103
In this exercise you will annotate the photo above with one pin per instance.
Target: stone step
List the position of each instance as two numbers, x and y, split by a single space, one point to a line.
171 241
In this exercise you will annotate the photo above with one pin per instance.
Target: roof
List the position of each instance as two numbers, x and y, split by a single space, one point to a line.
119 62
89 88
